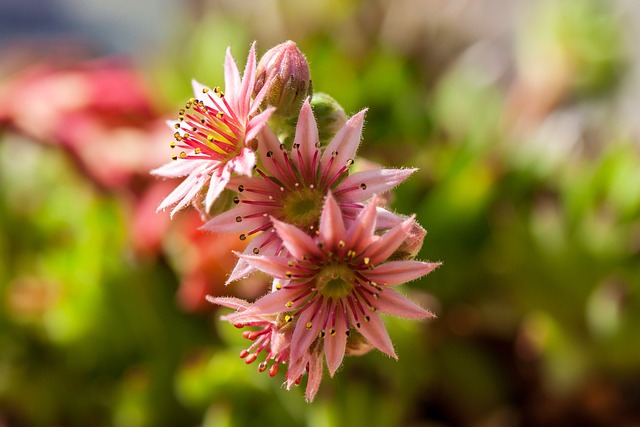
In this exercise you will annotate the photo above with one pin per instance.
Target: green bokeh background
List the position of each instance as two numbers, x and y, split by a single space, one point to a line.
522 117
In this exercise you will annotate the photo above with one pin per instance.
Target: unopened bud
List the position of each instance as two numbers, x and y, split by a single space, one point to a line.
329 114
290 81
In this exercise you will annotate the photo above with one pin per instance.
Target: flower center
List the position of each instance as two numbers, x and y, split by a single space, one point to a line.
335 281
302 207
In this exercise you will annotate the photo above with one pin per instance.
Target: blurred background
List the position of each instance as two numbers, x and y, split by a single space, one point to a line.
521 115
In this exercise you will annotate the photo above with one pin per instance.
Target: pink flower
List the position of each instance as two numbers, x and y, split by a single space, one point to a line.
215 131
292 184
334 283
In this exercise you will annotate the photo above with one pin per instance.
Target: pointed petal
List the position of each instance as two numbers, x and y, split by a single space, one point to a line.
297 242
345 143
397 272
271 303
375 182
303 337
274 266
236 220
331 225
217 183
386 219
393 303
248 82
178 168
360 234
259 243
315 376
231 75
231 302
193 190
306 139
335 344
375 332
387 244
257 122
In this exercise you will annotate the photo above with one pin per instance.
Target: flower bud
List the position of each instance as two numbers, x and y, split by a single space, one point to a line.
290 81
330 116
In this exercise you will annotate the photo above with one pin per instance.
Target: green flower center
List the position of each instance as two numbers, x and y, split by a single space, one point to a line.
335 281
302 208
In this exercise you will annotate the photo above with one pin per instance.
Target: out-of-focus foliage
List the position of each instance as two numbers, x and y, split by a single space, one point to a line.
522 119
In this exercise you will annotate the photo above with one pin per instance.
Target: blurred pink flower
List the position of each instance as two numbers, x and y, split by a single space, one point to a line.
339 280
293 185
99 111
216 134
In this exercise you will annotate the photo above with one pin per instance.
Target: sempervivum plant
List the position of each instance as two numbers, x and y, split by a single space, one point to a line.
319 229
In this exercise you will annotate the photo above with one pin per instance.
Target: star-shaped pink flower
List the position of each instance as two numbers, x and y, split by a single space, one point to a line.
215 132
334 284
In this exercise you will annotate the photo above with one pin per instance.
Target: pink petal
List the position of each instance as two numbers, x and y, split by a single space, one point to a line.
248 82
303 337
335 345
315 376
360 234
275 266
231 75
244 162
391 302
345 143
387 244
272 303
397 272
331 225
242 269
178 168
297 242
217 183
199 93
257 122
269 143
231 302
228 221
386 220
375 182
306 139
375 332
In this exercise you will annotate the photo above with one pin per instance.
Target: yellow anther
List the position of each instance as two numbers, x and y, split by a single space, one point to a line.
308 325
289 304
183 155
197 150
